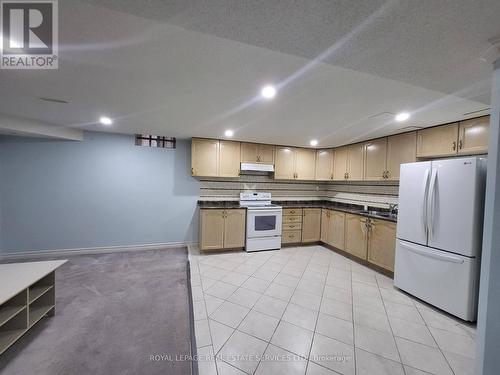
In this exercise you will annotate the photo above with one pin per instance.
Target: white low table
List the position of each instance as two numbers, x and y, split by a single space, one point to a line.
27 294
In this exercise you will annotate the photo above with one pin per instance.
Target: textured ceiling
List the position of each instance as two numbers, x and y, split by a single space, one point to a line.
427 43
193 68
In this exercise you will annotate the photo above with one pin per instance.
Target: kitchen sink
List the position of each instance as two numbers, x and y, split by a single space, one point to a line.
378 213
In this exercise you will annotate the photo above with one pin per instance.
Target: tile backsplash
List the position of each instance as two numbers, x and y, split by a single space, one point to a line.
374 193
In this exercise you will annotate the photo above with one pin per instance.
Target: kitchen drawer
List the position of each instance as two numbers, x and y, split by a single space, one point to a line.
292 226
291 236
292 219
292 211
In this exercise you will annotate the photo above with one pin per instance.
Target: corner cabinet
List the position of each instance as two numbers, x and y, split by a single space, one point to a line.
222 229
356 235
311 224
292 163
214 158
333 228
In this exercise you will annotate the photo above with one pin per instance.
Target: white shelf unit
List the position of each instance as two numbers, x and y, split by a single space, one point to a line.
21 312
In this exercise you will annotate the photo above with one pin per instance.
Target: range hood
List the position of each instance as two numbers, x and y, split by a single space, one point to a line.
257 167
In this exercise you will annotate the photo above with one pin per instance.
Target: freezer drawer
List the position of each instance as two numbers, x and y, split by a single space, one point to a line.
447 281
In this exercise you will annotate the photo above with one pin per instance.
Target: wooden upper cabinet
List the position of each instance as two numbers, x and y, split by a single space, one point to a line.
356 235
375 159
311 224
324 165
294 163
473 136
355 161
249 153
305 164
211 229
266 154
437 141
205 157
382 243
234 228
284 163
340 163
229 159
257 153
401 148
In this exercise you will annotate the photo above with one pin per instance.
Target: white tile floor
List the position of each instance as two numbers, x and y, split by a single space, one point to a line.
309 310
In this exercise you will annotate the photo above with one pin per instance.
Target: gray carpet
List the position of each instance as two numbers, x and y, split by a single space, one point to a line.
113 312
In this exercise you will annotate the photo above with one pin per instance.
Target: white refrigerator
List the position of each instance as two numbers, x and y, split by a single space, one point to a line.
439 233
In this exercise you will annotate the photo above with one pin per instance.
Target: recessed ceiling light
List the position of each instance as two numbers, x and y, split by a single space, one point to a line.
402 116
228 133
105 120
314 142
268 92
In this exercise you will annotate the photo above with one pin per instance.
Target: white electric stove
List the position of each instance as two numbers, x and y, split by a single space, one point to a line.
263 222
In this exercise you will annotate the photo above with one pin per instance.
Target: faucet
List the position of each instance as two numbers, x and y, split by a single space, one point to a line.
393 208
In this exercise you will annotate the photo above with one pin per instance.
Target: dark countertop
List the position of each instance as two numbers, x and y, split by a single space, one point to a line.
219 204
344 207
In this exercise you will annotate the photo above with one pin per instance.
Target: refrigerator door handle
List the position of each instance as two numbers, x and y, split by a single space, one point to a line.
443 257
430 203
425 188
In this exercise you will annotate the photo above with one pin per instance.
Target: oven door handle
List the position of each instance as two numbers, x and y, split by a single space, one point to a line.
269 210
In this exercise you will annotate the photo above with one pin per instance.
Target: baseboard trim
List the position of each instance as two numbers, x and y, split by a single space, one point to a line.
93 250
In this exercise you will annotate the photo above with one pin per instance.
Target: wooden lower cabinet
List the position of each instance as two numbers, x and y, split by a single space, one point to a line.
222 229
332 228
291 236
356 235
211 229
382 243
291 230
234 229
311 224
337 229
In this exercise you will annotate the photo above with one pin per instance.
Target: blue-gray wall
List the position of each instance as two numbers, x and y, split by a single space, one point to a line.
104 191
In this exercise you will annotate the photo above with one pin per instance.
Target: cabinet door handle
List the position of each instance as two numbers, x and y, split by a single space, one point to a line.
192 170
331 176
460 144
454 147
